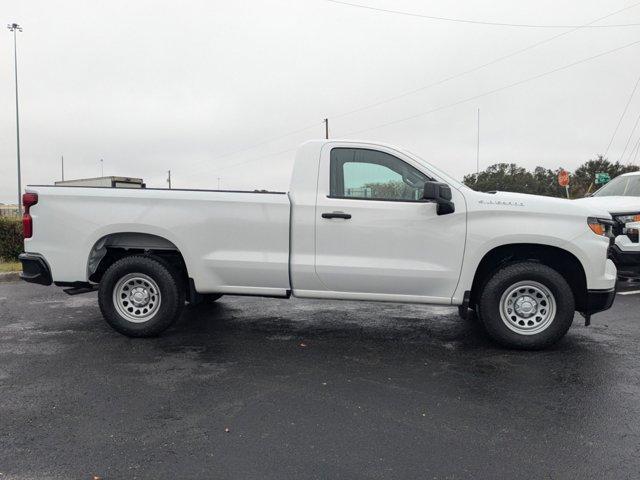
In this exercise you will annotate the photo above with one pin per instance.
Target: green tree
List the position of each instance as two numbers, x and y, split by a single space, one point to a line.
11 241
509 177
502 176
391 189
547 182
583 179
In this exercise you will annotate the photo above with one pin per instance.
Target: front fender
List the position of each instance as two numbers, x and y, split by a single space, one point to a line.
589 249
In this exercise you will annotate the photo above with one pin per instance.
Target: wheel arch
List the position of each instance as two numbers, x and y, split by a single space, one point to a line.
561 260
113 246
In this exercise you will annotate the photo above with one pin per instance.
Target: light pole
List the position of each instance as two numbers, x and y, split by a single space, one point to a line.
14 27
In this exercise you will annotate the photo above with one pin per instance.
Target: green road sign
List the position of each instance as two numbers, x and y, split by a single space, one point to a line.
602 178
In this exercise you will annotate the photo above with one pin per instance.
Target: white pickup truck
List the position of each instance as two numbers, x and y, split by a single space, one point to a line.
361 221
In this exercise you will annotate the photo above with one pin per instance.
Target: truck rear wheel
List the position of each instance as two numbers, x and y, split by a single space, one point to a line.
526 306
141 296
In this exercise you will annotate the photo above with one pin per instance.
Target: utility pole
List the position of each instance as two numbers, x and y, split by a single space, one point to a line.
478 147
101 167
62 161
14 27
169 178
326 128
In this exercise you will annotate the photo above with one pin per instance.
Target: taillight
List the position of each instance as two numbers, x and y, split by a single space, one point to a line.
28 201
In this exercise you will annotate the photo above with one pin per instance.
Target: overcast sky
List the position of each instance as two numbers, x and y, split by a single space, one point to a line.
155 85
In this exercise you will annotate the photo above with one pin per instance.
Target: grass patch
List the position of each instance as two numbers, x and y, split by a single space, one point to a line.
10 267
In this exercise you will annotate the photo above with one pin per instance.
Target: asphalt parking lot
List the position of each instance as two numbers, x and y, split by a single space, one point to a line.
259 388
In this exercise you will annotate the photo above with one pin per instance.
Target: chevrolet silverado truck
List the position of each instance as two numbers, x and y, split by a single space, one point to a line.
621 198
361 221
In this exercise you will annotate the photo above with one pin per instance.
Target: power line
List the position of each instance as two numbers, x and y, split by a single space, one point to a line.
425 87
207 166
474 22
637 149
411 92
251 147
496 90
633 130
624 111
480 67
264 142
256 159
478 147
439 82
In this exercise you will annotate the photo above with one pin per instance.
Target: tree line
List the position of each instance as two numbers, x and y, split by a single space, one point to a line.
509 177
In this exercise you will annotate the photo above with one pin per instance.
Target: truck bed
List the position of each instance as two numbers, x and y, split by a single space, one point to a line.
231 241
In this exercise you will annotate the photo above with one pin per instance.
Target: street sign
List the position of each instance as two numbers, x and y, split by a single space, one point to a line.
602 178
563 178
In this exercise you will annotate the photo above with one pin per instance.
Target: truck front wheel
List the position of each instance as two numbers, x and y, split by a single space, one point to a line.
527 306
141 296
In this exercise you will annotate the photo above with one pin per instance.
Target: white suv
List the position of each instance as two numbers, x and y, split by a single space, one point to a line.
621 198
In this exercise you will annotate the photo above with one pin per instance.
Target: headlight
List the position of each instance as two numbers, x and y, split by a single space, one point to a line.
632 221
628 218
600 226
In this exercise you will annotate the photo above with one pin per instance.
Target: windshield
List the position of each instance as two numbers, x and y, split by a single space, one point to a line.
627 186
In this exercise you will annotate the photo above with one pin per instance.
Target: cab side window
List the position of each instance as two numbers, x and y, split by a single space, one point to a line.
373 175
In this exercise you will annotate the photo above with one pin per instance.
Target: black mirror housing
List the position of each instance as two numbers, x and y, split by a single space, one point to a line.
439 193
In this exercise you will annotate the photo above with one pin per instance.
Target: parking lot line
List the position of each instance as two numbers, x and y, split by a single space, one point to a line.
632 292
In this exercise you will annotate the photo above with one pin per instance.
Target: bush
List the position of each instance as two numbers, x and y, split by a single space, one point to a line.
11 242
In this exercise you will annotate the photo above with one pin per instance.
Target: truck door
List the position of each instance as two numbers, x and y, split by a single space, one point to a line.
375 237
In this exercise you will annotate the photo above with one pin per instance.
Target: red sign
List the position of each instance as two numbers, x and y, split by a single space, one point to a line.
563 178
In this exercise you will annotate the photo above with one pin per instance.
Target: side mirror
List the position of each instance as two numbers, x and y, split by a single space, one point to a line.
439 193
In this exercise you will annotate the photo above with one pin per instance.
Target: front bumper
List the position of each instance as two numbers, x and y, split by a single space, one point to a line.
598 301
35 269
626 255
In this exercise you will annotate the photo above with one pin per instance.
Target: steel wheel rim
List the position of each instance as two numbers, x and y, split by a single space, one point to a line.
136 297
527 307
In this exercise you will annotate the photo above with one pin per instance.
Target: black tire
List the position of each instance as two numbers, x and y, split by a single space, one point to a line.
505 280
169 299
211 297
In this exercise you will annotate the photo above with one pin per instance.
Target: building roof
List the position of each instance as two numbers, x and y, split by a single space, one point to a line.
113 178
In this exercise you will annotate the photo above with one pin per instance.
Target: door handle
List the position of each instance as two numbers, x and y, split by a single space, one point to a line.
343 215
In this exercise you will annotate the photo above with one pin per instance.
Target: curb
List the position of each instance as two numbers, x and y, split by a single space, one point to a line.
9 277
